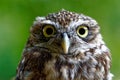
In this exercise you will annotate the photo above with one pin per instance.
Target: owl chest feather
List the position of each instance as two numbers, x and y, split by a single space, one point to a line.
58 69
61 71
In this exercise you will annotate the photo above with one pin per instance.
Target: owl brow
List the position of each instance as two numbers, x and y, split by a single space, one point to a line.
84 25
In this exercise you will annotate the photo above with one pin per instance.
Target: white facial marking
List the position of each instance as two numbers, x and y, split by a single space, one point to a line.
23 60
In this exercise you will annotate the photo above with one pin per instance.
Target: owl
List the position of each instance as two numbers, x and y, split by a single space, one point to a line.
65 46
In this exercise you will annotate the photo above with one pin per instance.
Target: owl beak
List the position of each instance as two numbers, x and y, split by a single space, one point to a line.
65 43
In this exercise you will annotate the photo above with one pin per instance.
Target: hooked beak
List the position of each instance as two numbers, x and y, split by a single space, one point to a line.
65 43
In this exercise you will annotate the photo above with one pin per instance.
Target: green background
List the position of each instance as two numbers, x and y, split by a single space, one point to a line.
16 17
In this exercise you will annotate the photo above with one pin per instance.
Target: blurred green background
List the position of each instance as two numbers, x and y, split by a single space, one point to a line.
16 17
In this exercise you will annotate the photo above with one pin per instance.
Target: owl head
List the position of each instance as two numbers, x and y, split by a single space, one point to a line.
65 33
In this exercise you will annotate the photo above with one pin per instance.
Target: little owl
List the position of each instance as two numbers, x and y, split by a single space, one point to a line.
65 46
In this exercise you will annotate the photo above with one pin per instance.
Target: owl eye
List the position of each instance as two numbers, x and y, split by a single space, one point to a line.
82 31
48 30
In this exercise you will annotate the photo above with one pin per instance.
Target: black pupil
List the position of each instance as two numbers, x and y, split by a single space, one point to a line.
82 31
49 31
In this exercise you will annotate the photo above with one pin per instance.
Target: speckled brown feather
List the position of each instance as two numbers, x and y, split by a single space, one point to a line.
63 17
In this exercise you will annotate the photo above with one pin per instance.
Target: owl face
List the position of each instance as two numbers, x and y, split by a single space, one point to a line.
65 33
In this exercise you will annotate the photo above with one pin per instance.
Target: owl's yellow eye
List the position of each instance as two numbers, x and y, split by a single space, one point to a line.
82 31
48 30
